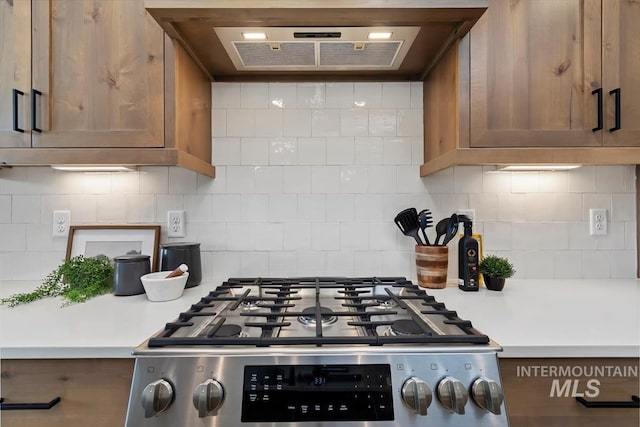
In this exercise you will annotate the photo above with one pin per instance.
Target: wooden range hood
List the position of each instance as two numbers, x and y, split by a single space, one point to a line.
193 22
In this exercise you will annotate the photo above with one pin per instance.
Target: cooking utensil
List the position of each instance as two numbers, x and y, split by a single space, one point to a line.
452 229
441 230
407 222
425 221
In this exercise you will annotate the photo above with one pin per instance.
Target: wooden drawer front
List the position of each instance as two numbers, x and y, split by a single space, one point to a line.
93 392
538 393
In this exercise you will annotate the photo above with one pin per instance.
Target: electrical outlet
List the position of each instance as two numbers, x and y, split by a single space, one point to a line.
471 213
175 224
61 223
597 222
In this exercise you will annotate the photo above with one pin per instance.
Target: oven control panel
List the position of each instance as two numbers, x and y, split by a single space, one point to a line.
290 393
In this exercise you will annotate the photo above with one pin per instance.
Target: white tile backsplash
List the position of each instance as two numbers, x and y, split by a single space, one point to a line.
309 177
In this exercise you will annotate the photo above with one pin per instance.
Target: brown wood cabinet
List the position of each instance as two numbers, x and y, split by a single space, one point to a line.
539 393
92 392
518 88
112 88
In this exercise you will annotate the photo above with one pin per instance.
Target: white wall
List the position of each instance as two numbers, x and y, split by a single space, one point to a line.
309 179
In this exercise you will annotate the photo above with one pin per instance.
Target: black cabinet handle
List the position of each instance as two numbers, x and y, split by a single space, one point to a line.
24 406
633 403
16 92
34 92
598 92
616 94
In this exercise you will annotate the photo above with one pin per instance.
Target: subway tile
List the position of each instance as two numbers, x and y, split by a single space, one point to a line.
240 236
325 122
340 207
241 122
367 263
623 264
282 264
393 262
353 179
40 180
218 123
283 151
568 206
624 208
68 182
84 209
39 238
440 182
297 123
240 179
498 236
367 95
382 122
217 185
225 95
125 182
226 264
268 179
269 237
5 209
496 182
226 207
339 95
614 239
396 151
254 207
354 236
254 151
312 207
96 183
539 207
566 265
368 207
254 95
311 95
254 264
340 263
13 180
13 237
579 237
140 208
297 236
199 208
525 182
182 181
211 235
598 201
269 123
226 151
111 208
154 180
596 265
382 179
609 179
311 263
382 235
296 179
553 181
325 179
325 236
416 95
283 207
25 209
511 207
354 122
582 179
282 95
485 205
340 150
312 151
467 179
410 122
396 95
409 180
539 265
164 203
369 150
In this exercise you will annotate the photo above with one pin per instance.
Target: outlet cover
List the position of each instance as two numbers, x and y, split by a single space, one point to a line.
176 224
61 223
597 222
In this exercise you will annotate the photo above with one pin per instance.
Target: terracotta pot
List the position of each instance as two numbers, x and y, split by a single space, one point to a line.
494 283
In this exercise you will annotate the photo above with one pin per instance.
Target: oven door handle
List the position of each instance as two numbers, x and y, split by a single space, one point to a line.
633 403
24 406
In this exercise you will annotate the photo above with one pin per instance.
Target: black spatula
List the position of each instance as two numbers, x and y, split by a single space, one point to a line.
407 222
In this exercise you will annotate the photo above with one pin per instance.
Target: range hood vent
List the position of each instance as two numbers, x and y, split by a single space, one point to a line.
321 49
324 40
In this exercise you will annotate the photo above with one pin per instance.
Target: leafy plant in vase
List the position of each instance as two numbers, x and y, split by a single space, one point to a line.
495 270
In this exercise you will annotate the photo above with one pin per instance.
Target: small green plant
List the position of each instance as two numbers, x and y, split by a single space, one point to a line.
495 266
76 280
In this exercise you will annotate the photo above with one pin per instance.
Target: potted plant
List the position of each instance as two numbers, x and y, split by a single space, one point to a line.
495 270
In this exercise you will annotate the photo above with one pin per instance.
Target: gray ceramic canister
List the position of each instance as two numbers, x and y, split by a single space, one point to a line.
127 272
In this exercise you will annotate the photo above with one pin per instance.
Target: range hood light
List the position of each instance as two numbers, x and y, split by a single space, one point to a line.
254 36
94 168
380 36
535 168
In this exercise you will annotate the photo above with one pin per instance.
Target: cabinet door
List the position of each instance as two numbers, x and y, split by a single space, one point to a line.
15 71
621 65
93 392
534 65
99 66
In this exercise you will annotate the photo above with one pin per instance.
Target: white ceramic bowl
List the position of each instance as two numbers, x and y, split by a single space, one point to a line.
159 288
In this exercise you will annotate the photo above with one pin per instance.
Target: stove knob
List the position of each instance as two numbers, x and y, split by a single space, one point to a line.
452 394
157 397
207 397
487 394
416 394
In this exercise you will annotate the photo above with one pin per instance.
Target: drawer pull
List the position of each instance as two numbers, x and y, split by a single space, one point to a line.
16 93
598 92
24 406
34 92
633 403
616 94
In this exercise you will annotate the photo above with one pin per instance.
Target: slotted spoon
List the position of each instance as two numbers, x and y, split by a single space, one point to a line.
407 222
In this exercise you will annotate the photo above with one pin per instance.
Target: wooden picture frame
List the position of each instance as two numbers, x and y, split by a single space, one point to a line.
114 240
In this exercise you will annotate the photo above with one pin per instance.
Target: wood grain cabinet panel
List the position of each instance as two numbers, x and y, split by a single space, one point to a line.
112 88
15 71
538 393
93 392
519 87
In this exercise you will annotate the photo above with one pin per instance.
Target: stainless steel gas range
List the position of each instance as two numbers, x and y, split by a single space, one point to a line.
317 352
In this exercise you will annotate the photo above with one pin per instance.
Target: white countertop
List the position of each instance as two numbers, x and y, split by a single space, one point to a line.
529 318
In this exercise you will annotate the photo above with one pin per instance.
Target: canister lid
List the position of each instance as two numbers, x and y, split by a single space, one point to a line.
131 258
180 245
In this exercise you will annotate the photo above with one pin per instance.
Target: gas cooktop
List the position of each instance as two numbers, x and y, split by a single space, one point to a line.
284 311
